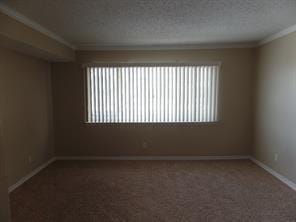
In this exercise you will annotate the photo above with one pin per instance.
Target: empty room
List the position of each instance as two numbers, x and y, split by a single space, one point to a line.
147 110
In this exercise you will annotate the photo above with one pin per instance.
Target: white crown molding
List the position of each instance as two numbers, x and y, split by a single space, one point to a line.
23 19
98 47
27 177
93 47
278 35
275 174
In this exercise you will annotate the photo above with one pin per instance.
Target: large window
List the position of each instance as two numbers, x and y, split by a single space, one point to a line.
152 93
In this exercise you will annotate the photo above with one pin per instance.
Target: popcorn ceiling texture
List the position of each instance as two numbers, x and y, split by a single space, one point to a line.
159 22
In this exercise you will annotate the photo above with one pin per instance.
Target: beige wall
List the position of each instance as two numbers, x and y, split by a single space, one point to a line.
26 108
4 201
275 131
231 136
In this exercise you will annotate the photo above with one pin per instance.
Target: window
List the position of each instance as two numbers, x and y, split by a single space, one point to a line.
152 94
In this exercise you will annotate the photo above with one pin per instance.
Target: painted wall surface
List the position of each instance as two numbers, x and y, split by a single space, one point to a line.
232 135
26 108
15 35
275 129
4 200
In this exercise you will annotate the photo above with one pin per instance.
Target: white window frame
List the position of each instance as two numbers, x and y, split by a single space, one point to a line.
154 64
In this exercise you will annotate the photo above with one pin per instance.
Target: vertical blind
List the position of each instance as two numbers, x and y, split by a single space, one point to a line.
152 94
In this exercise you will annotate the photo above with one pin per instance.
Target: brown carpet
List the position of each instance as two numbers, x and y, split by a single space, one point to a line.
232 190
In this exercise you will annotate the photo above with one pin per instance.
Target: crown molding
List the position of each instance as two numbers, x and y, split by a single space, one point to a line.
278 35
98 47
23 19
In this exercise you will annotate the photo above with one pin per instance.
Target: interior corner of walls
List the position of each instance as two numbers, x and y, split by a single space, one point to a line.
275 67
22 38
31 76
275 173
30 174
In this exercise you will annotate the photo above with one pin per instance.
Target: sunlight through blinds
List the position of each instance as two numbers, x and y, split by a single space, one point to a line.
152 94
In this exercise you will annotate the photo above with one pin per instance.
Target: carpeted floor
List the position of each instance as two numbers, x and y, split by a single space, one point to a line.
140 191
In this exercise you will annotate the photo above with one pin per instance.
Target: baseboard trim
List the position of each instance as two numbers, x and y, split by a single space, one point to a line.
275 174
27 177
283 179
151 157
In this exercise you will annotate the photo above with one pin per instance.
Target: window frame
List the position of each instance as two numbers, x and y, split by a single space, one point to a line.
153 64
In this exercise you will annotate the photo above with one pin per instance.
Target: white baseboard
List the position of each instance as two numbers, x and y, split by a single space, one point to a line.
27 177
151 157
37 170
274 173
238 157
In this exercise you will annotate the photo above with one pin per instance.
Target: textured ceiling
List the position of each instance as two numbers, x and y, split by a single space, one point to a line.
159 22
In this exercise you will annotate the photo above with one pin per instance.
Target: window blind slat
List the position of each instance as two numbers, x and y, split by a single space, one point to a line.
197 94
190 92
112 91
201 95
107 95
179 94
126 84
182 117
206 93
92 96
143 94
216 93
96 95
